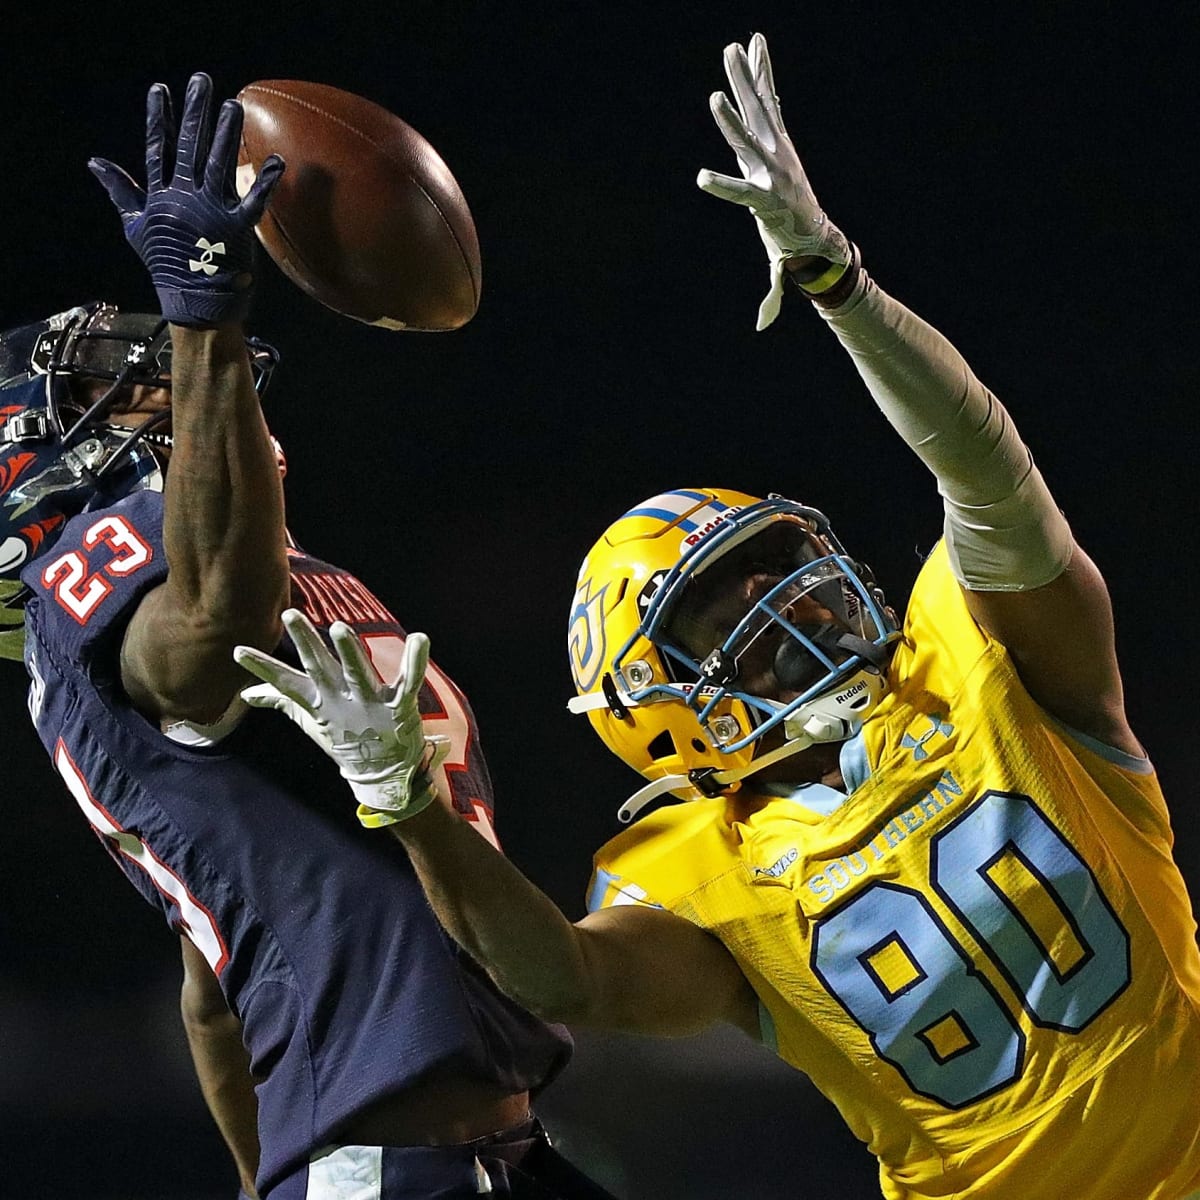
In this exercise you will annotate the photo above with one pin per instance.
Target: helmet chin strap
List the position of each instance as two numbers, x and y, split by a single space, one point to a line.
830 718
718 780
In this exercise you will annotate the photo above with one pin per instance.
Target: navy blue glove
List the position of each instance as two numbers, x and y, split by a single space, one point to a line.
188 225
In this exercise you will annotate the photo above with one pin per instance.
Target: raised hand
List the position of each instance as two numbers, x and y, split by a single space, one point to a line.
188 225
773 185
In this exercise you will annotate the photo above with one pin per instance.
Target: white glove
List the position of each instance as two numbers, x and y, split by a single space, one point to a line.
775 187
371 729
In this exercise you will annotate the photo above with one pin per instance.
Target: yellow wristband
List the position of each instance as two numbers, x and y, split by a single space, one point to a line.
380 818
822 283
374 818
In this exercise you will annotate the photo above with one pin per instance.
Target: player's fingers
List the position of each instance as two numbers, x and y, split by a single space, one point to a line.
160 135
742 71
222 159
319 665
741 80
262 665
726 187
764 87
437 750
362 679
122 190
277 676
292 692
733 129
416 660
255 200
760 63
193 131
263 695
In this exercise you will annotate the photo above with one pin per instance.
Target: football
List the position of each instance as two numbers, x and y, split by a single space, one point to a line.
367 218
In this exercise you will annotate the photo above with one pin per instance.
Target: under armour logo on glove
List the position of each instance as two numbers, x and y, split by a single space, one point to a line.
190 203
205 262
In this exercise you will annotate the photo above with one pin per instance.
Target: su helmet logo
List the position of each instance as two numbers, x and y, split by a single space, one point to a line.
585 635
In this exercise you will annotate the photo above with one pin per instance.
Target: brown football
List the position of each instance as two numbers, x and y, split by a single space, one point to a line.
367 218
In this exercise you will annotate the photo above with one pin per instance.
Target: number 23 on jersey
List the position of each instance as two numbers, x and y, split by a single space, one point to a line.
80 580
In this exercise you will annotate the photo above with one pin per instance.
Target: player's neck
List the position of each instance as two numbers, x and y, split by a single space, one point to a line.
818 764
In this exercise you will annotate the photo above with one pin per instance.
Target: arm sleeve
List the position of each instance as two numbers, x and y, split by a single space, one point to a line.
1003 530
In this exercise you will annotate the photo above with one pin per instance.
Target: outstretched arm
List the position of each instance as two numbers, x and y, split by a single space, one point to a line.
1025 580
639 970
223 532
222 1064
223 503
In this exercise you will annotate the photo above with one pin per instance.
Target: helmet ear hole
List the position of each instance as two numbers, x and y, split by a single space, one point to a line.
663 746
699 746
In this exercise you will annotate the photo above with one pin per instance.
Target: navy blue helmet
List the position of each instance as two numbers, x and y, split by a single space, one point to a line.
58 448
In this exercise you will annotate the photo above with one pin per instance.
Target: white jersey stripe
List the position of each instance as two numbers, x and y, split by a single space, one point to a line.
199 925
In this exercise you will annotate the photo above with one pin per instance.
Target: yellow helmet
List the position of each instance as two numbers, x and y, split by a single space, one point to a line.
687 649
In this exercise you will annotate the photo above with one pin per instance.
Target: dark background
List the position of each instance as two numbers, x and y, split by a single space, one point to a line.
1021 176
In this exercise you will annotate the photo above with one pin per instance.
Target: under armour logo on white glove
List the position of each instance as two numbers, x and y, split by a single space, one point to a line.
773 185
371 729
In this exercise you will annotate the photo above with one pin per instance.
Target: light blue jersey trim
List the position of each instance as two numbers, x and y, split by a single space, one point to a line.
1129 762
820 797
624 891
816 797
856 770
600 885
766 1029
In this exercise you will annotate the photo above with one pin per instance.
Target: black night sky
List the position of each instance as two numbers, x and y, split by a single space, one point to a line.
1020 175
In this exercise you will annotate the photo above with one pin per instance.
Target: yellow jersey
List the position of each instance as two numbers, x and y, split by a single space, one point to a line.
985 956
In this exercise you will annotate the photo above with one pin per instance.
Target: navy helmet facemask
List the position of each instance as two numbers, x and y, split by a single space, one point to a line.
60 453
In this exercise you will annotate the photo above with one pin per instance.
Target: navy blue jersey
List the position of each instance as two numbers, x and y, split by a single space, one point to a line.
318 930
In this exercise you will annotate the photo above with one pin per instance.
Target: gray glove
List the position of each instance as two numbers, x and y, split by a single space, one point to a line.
774 186
371 729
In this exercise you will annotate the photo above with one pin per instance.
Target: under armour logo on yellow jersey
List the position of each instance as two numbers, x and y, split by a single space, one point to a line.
917 744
